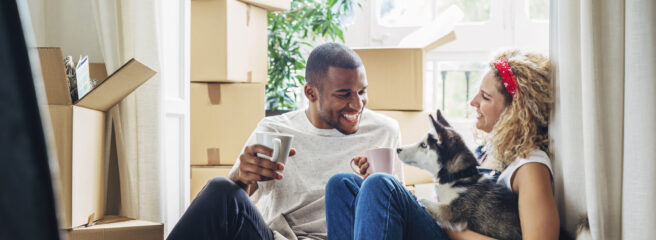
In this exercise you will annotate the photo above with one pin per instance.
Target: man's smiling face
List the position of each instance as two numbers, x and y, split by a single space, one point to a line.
342 98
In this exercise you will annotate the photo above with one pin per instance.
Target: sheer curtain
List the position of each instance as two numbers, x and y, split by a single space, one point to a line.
604 125
129 29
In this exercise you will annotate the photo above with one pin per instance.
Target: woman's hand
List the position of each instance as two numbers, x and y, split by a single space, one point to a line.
363 165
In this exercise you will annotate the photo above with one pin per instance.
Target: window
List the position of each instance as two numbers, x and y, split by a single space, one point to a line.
538 10
457 68
474 10
404 12
450 85
397 13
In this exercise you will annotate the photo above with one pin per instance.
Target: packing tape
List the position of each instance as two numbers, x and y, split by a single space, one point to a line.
213 156
90 219
249 76
214 92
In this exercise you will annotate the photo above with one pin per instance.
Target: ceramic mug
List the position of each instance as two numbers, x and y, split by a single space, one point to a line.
279 142
380 160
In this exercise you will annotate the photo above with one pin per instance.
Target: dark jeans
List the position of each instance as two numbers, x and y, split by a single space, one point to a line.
377 208
222 210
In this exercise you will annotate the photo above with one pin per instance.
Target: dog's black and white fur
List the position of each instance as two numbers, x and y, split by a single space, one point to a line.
467 199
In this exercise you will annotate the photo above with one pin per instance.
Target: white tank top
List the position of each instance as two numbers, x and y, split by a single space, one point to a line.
537 156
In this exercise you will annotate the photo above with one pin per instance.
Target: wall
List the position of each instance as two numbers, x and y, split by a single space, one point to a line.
68 24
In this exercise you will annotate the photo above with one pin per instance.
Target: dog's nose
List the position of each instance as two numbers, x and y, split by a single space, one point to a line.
398 150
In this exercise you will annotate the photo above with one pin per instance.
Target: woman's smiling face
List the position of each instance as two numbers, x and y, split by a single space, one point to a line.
489 103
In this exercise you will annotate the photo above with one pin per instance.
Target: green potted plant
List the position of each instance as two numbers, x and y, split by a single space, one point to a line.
292 31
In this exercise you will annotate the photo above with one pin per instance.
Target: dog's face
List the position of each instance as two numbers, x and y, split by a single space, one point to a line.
436 150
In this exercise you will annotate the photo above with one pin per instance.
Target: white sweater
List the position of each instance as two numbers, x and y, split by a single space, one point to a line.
294 206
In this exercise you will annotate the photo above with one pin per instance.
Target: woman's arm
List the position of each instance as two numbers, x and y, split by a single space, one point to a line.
538 214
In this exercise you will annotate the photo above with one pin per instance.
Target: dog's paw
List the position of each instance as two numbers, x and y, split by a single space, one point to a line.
432 207
453 226
427 202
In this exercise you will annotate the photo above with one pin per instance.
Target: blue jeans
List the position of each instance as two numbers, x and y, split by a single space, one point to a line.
222 210
379 208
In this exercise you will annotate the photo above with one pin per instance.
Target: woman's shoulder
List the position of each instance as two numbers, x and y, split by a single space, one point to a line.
536 156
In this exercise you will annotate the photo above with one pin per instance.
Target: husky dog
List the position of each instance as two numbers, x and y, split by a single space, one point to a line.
467 199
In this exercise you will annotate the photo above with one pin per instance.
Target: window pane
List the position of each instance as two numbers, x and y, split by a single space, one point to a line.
474 10
452 87
404 12
419 12
538 10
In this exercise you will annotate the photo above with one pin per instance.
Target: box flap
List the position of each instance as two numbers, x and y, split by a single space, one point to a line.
436 33
271 5
54 76
117 86
98 71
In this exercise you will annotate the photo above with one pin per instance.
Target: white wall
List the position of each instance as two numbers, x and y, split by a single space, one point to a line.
68 24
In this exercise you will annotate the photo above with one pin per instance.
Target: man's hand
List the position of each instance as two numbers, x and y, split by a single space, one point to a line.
363 164
253 169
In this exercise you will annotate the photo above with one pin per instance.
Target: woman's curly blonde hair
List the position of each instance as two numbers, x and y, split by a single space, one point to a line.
523 125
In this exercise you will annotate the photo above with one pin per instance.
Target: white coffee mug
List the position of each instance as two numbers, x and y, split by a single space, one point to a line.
380 160
280 143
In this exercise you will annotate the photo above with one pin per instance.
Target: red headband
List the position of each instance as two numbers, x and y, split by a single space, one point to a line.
507 75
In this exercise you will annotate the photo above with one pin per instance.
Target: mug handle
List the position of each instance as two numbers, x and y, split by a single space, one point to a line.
355 171
276 149
358 172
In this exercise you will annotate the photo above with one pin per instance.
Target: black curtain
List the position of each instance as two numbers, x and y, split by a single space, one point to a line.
27 208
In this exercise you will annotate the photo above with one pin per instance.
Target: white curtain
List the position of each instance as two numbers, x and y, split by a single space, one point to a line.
129 29
604 123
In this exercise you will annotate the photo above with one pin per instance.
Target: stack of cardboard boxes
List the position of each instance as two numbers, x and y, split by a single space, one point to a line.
228 75
80 133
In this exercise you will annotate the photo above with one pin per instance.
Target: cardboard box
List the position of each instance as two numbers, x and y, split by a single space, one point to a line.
228 42
223 116
271 5
79 129
414 126
396 74
118 229
201 175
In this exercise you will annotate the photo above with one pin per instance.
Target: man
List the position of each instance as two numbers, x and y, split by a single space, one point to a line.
328 134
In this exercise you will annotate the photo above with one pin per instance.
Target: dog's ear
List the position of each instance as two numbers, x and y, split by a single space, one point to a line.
438 127
441 119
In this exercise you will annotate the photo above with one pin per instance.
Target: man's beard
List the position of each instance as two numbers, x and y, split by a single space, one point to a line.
335 124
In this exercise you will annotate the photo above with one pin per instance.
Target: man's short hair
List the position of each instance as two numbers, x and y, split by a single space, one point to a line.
326 55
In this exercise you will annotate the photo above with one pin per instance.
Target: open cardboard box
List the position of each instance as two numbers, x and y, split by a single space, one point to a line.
271 5
79 129
228 42
396 74
117 228
223 116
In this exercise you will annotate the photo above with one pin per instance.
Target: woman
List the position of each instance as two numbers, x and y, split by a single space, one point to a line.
513 106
